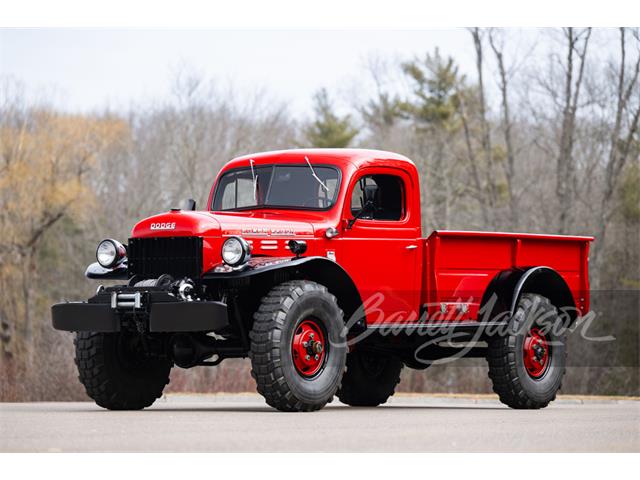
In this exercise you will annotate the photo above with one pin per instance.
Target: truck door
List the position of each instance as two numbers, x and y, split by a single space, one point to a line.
380 250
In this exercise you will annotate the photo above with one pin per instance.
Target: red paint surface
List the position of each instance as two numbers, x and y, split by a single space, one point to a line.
459 265
449 269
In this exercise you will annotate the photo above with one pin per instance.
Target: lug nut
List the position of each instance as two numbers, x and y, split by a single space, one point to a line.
307 357
311 336
305 344
316 357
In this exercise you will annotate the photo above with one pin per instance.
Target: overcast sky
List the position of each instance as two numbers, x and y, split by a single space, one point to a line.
90 69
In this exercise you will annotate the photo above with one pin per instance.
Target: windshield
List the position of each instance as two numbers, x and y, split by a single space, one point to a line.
283 186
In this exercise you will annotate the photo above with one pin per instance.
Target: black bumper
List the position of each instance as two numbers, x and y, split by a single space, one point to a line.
162 317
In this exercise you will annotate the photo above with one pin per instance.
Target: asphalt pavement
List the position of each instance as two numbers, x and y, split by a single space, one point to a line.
243 422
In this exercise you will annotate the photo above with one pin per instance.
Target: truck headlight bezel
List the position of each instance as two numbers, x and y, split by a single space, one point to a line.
110 253
235 251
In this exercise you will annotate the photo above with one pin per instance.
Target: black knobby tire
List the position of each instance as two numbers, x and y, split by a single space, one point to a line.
515 386
115 377
370 379
280 314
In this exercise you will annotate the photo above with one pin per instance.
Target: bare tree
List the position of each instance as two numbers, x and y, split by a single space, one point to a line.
497 45
623 134
478 191
577 42
47 157
485 127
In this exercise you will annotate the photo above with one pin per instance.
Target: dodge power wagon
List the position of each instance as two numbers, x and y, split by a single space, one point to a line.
312 264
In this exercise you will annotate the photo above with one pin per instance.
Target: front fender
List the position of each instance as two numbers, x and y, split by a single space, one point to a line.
96 271
319 269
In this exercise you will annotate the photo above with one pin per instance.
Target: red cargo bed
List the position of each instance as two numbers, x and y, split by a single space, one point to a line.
458 266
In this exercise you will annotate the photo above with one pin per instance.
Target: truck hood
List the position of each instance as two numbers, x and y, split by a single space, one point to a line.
207 224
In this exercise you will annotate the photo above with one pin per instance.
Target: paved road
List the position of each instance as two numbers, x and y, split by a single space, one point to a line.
244 423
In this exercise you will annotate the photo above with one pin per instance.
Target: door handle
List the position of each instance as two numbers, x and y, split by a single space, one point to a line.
411 247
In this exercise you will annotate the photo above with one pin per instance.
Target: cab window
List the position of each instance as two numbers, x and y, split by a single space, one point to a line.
278 186
388 197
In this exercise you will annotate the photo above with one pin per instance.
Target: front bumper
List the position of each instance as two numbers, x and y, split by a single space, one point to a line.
153 311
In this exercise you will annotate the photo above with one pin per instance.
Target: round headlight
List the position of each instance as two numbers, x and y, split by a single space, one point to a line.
109 253
235 251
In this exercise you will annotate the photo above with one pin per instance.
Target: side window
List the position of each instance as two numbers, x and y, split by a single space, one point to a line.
388 195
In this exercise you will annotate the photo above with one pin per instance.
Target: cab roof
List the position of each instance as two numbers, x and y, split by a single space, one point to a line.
358 157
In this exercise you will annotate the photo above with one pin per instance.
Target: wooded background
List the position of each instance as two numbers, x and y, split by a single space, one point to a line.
540 140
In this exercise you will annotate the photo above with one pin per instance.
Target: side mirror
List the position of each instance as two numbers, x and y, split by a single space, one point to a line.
190 204
370 194
368 207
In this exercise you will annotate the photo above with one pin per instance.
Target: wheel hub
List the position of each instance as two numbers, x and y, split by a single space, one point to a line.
308 348
536 353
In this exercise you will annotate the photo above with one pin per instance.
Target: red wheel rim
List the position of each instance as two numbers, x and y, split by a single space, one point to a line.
536 353
308 348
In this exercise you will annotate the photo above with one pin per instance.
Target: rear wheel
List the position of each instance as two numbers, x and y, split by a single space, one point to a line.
526 365
298 347
370 379
115 371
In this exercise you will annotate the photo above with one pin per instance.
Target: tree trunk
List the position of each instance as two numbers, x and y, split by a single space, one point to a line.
473 163
565 165
509 168
484 125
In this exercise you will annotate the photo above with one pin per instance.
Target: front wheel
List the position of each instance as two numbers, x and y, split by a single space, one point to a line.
298 347
526 365
115 371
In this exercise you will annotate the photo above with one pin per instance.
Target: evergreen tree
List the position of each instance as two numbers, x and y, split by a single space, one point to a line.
436 82
328 130
433 111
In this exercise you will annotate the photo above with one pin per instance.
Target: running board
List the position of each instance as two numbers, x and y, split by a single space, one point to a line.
438 328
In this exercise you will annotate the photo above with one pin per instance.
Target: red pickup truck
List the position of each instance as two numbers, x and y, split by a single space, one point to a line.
312 263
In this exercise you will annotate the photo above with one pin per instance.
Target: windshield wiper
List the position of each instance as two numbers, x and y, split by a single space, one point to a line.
313 173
